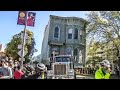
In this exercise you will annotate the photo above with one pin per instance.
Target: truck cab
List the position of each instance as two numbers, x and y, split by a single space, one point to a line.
62 67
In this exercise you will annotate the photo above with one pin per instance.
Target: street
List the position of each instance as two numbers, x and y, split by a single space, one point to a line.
84 77
92 77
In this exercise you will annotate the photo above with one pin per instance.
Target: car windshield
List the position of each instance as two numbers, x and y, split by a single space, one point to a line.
62 59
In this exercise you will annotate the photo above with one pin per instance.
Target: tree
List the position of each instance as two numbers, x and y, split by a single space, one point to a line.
105 27
93 52
12 50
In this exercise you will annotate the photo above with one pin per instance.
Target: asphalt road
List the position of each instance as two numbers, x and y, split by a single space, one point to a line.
84 77
92 77
114 77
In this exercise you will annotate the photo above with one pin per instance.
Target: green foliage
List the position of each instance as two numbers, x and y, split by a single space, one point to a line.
93 53
35 62
12 50
104 28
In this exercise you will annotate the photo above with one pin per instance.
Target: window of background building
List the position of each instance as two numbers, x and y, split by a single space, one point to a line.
76 33
70 34
55 49
56 32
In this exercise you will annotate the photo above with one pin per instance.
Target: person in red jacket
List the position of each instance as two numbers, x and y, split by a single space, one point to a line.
18 73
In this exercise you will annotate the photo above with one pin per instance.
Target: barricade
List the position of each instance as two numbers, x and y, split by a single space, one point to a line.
85 71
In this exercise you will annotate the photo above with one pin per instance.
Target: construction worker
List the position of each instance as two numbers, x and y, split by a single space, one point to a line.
104 70
42 70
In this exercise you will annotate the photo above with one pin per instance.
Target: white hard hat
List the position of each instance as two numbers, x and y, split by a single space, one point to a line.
106 63
41 66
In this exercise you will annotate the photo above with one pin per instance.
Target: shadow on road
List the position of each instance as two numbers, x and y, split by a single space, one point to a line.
114 77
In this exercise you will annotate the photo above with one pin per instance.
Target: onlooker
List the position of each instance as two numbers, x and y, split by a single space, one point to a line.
6 63
6 72
88 70
117 71
10 65
15 65
80 70
18 74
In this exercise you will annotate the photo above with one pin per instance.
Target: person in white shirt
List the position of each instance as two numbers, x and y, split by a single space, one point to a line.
6 72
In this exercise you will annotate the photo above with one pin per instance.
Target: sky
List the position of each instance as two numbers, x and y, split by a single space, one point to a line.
9 27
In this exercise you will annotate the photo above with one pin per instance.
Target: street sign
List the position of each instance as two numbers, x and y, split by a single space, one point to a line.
20 46
20 52
26 36
20 59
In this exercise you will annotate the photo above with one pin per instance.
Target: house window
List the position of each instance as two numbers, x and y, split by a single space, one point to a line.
75 52
55 49
56 33
70 34
81 35
68 51
76 33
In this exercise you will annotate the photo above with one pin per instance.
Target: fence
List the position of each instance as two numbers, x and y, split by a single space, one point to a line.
85 71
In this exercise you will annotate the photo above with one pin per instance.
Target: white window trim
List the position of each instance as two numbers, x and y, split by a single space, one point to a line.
81 32
70 33
58 33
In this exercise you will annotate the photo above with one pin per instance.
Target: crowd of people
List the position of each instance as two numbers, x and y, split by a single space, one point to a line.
11 69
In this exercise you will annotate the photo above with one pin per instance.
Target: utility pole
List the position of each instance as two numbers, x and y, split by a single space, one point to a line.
22 53
24 40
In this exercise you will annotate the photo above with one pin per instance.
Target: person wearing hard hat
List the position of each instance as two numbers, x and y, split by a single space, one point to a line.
40 72
104 70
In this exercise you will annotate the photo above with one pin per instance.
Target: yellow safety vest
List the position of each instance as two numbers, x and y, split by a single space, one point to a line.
43 76
99 75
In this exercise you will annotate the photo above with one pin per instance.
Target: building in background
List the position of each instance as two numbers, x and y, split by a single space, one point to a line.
65 36
37 58
2 51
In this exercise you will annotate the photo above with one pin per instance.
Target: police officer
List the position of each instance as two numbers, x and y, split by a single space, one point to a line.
104 70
